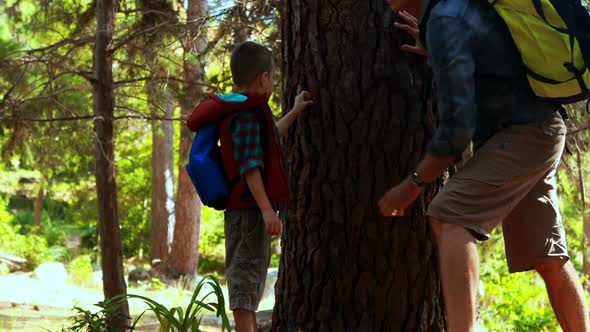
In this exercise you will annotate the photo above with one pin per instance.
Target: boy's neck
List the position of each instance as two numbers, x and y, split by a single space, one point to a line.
255 89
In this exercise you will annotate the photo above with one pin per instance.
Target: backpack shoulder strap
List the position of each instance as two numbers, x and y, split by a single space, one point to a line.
423 25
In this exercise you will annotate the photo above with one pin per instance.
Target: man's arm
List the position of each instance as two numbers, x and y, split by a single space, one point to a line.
302 101
454 72
398 198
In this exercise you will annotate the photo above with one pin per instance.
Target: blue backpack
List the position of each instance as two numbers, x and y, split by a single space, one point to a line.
206 168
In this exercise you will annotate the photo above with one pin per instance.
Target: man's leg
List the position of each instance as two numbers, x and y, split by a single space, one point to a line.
566 294
459 267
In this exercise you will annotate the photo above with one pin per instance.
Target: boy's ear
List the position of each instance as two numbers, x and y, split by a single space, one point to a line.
260 77
264 77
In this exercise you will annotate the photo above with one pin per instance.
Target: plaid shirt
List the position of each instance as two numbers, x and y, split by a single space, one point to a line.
245 131
481 82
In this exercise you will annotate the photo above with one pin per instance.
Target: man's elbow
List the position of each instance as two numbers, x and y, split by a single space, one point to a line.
452 146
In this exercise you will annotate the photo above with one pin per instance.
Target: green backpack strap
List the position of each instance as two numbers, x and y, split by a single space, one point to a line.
578 73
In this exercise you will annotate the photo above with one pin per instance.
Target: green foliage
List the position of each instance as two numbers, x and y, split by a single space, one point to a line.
511 302
157 284
80 269
5 216
178 320
58 253
89 321
207 297
31 247
212 242
517 303
134 187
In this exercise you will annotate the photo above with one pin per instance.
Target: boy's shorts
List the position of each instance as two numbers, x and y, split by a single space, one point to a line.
511 179
247 256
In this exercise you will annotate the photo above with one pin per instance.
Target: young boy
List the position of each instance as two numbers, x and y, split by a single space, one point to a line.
253 161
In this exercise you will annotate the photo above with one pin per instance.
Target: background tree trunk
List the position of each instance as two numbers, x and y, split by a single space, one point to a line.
184 257
344 267
106 185
162 175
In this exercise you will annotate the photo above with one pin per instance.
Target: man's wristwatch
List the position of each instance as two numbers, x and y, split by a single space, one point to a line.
417 180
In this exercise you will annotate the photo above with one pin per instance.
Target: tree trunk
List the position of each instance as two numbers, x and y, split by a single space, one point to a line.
162 176
184 257
106 185
585 213
39 208
343 266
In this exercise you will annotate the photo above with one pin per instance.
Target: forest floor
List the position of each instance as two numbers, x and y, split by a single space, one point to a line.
29 304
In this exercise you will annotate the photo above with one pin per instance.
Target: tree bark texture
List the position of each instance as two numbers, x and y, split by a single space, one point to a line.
184 257
162 175
343 266
106 185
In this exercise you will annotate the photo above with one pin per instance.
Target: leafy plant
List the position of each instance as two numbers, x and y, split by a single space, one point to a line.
88 321
178 320
171 320
80 269
31 247
511 302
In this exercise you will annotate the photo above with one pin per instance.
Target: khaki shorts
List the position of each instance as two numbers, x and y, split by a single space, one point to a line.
247 256
511 180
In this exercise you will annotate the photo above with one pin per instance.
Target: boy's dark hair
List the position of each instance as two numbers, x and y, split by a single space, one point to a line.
247 61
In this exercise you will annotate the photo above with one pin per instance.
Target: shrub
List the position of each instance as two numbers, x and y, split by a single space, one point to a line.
80 269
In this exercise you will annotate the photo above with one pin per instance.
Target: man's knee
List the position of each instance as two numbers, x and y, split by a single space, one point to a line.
554 268
444 232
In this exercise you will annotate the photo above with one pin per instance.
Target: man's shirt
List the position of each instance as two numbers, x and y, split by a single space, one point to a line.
481 81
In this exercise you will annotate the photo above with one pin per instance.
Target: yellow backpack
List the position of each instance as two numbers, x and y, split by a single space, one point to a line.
553 37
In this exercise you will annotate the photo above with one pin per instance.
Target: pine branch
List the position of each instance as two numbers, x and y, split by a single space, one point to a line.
7 94
89 117
75 42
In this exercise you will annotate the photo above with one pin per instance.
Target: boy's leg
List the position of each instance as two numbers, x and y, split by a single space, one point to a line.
459 267
247 260
245 320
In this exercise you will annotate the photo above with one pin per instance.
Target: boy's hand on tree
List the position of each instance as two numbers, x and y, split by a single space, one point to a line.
412 27
272 223
302 101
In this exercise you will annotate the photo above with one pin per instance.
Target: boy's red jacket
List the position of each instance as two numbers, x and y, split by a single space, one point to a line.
274 174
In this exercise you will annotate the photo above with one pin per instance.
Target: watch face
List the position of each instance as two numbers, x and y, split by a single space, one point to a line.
417 180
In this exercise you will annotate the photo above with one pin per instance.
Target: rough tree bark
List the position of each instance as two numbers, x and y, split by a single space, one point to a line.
343 267
162 175
184 256
106 185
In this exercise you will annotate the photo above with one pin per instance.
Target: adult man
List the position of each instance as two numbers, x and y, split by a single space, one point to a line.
484 97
